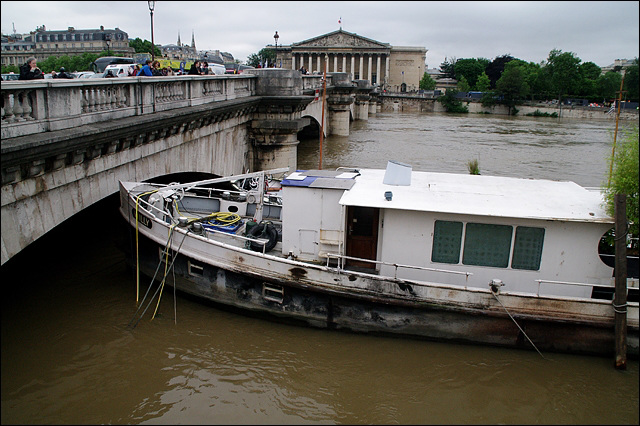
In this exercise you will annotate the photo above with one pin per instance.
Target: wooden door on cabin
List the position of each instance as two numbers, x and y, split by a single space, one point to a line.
362 235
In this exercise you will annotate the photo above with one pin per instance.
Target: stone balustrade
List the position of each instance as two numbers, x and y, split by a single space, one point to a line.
36 106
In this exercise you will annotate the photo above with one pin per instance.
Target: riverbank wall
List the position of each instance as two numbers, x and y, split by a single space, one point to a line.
407 103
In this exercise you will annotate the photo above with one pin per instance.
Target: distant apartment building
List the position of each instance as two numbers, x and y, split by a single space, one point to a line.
184 52
41 44
617 65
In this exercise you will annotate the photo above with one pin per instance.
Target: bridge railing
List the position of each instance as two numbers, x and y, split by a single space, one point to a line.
37 106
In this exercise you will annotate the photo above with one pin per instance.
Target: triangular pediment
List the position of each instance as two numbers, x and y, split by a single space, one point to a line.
341 39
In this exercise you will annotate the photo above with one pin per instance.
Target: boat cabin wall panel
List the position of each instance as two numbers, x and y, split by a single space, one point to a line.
307 208
407 238
301 209
404 237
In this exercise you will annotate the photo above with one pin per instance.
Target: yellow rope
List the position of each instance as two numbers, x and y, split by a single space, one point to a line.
166 266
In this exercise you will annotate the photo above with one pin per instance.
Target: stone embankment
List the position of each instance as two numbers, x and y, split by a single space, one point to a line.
421 104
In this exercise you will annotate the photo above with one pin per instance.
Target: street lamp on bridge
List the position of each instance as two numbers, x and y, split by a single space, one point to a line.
107 41
152 5
276 37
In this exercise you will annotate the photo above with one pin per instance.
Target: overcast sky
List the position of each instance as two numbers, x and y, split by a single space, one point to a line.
598 31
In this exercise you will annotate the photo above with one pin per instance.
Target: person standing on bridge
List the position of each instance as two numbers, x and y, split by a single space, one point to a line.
30 70
63 74
146 69
195 68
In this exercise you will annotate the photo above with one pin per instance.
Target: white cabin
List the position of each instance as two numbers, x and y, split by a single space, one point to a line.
535 236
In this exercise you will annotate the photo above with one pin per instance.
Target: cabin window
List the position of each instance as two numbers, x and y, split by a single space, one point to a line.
527 249
487 245
447 237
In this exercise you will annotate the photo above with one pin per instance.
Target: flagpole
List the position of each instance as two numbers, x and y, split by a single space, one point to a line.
324 95
615 134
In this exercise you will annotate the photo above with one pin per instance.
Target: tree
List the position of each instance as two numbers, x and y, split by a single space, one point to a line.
631 81
562 70
259 59
590 70
427 83
483 84
463 85
624 180
144 46
608 85
512 85
494 68
451 103
447 68
470 69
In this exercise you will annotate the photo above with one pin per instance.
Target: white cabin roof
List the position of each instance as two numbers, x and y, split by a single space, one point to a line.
480 195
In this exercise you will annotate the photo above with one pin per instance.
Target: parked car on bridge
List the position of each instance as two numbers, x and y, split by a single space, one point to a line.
84 74
237 68
119 70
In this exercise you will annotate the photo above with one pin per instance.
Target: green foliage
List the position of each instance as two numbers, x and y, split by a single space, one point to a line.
512 85
624 178
608 85
589 70
144 46
451 104
427 83
494 68
631 81
463 85
10 69
483 84
447 68
488 99
474 168
562 71
538 113
264 55
470 70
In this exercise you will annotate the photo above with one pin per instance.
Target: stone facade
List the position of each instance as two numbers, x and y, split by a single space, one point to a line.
42 44
393 68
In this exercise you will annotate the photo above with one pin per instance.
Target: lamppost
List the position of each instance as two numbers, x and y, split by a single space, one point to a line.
107 41
276 37
152 5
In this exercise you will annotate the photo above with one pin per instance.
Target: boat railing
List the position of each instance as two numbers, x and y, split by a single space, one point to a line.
540 282
261 241
341 258
150 208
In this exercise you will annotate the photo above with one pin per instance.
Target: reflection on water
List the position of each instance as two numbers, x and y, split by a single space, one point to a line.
68 356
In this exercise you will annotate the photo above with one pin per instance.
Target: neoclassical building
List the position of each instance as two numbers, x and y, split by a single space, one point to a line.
394 68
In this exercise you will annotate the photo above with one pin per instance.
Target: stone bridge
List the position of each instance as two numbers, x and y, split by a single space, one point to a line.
67 143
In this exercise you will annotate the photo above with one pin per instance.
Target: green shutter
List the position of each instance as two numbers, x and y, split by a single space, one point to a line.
487 245
447 237
527 249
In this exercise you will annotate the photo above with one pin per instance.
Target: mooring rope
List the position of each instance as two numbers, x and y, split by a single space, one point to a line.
510 316
161 285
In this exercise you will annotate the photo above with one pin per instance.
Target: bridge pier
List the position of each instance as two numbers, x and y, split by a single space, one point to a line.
278 118
362 98
339 103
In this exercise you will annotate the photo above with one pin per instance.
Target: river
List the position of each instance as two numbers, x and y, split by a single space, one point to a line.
68 356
